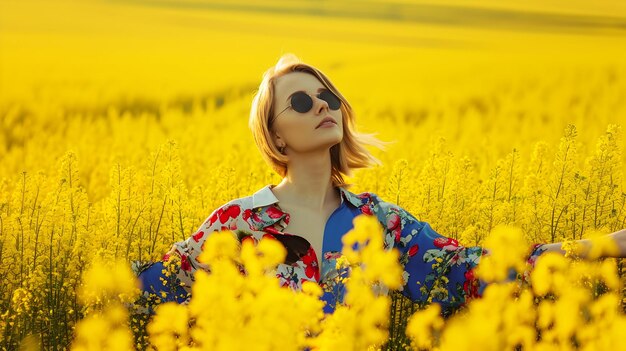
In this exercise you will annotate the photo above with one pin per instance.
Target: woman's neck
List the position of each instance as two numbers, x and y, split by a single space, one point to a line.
308 182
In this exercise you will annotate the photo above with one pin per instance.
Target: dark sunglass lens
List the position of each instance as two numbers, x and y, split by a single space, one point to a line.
333 101
301 102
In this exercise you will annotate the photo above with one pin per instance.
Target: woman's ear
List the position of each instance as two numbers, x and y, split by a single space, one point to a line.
278 141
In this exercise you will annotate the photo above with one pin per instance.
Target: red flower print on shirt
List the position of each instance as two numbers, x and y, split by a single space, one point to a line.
393 224
367 210
184 263
397 233
224 214
229 212
470 286
413 250
393 221
273 212
198 236
213 217
247 214
310 262
332 255
447 243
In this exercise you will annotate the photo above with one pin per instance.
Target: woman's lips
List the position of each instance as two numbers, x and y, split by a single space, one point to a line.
326 122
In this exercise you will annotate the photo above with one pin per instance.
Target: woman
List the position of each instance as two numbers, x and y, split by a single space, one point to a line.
304 128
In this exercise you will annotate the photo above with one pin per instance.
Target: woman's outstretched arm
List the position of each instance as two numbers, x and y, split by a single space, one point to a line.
439 269
585 247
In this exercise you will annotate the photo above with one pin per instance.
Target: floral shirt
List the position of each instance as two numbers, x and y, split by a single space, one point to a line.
436 268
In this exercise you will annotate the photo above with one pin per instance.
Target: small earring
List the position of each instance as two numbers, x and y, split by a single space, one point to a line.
281 149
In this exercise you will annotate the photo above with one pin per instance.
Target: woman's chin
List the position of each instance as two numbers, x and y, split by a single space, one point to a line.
333 142
322 144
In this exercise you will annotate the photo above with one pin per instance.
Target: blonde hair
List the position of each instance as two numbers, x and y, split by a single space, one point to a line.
349 154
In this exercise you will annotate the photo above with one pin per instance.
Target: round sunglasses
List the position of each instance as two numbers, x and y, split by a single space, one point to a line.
303 102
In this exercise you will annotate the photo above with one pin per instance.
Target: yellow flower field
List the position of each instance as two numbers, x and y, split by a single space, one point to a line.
123 125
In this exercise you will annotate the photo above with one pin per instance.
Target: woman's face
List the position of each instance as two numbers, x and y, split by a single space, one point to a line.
303 132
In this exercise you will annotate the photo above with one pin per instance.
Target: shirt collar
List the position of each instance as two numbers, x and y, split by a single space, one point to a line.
265 197
352 198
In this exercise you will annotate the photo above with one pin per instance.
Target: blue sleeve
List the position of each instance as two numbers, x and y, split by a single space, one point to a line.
436 268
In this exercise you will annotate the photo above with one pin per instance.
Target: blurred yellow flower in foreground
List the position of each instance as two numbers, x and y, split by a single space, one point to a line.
104 282
507 249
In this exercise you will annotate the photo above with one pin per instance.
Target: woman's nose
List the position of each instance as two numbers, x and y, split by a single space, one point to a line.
321 105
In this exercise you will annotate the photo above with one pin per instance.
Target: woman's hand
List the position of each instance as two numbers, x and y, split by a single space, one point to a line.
620 240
